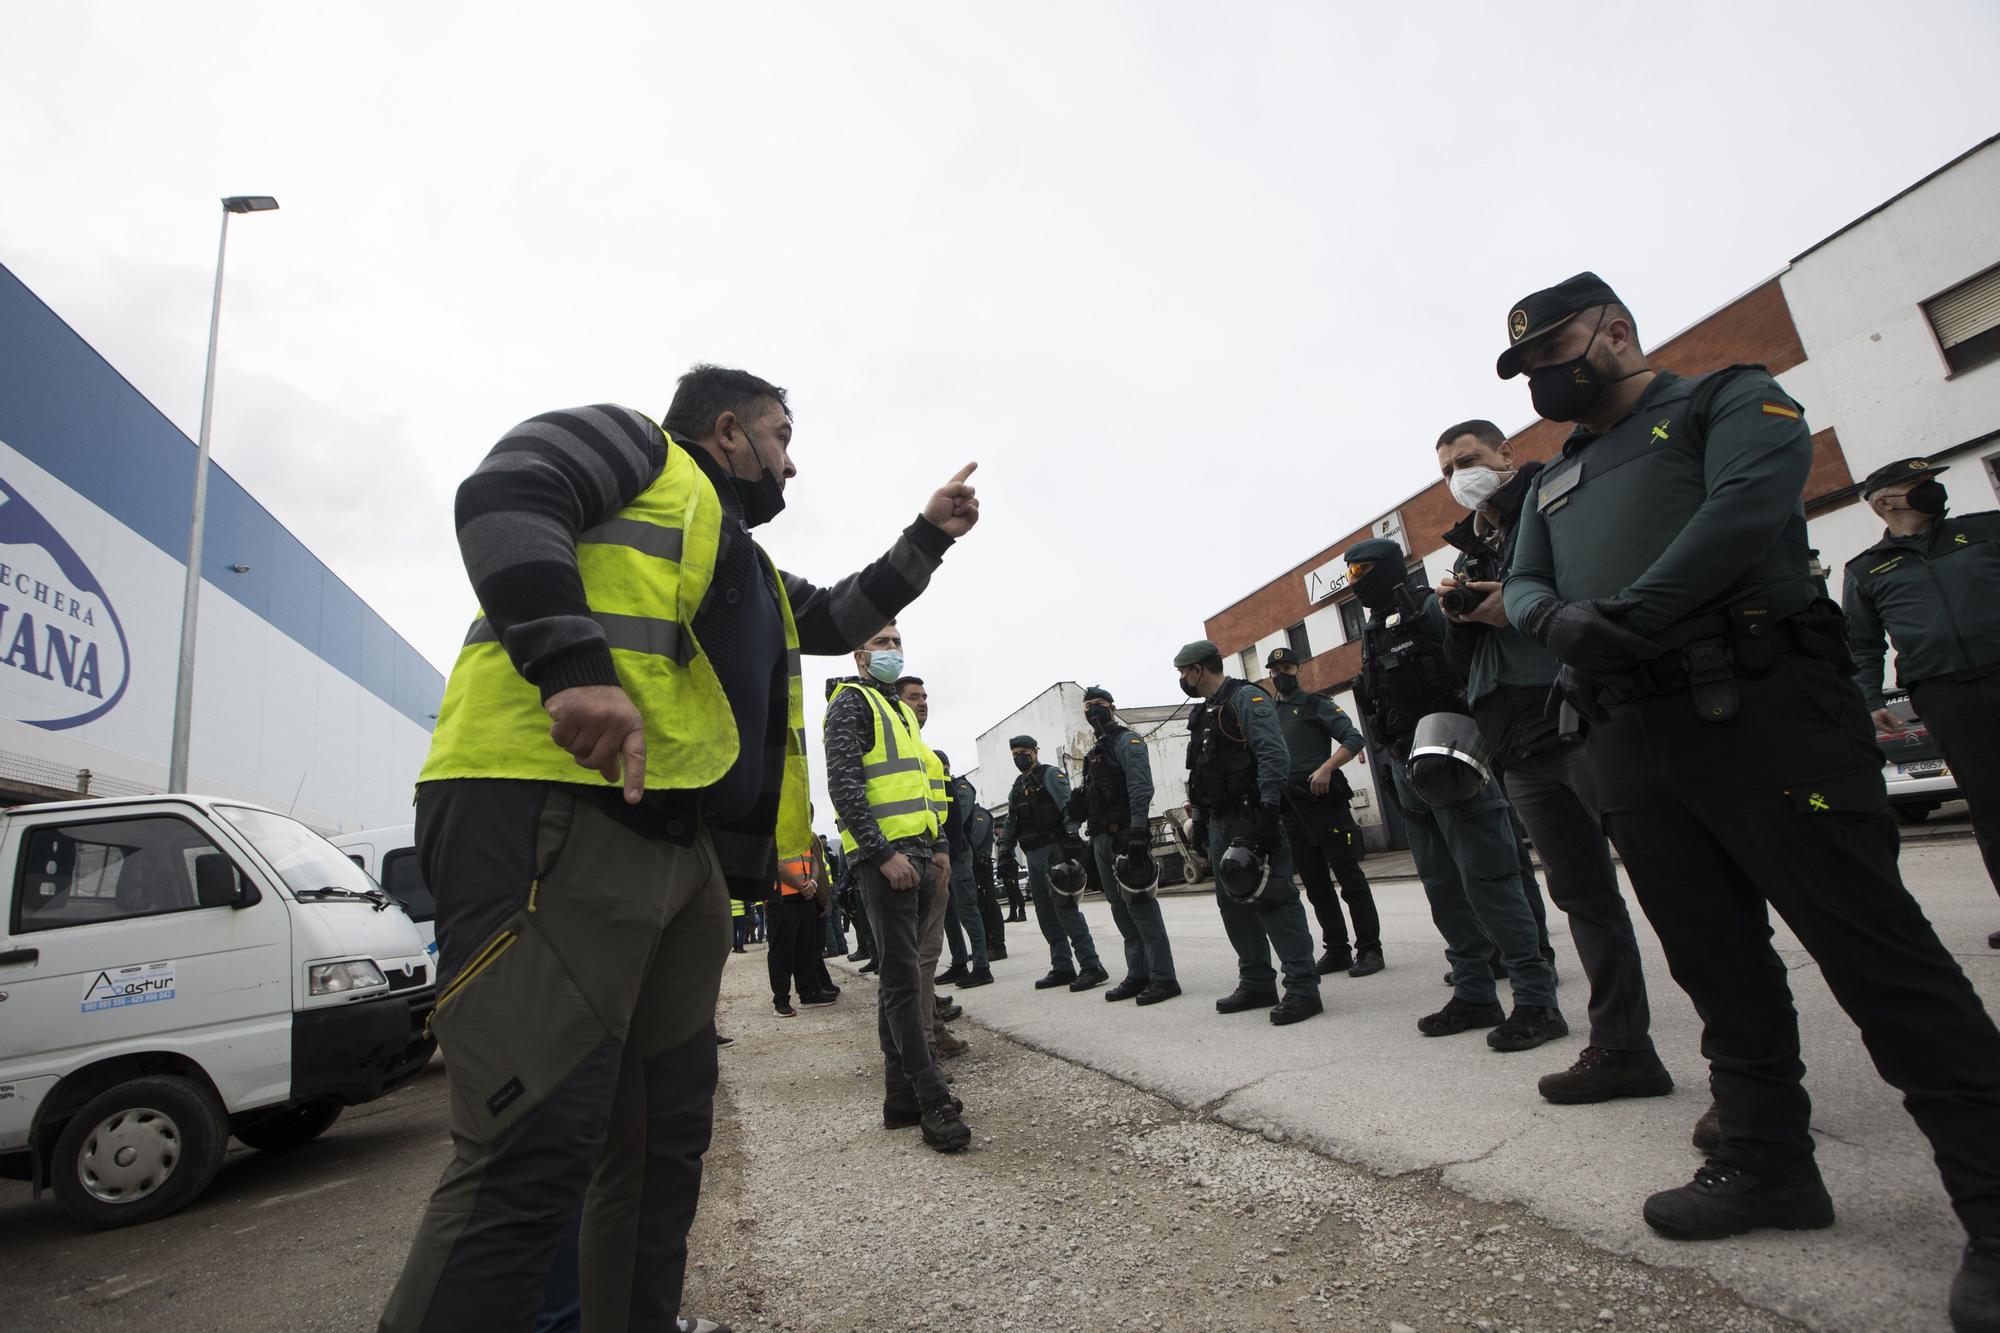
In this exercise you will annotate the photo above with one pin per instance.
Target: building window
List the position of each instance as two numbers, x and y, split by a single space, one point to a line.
1966 320
1296 638
1248 657
1352 617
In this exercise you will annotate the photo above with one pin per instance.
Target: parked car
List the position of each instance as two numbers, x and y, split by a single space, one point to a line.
177 969
389 855
1917 776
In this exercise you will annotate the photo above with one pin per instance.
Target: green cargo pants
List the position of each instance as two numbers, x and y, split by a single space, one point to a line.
579 963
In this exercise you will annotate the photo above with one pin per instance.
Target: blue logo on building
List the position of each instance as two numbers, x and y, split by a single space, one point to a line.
64 659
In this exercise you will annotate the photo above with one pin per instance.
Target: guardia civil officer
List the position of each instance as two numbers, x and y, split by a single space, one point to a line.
1544 768
1932 584
1663 558
979 835
1466 851
1117 798
1237 766
1320 828
1038 822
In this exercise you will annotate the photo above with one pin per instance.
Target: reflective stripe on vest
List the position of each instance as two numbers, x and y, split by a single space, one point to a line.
897 772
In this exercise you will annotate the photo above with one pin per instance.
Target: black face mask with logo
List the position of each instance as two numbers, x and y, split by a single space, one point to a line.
1568 390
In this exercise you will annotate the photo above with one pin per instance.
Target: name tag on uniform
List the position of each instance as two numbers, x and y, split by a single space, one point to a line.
1554 491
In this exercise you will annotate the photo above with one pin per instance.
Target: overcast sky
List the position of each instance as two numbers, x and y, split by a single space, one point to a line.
1196 284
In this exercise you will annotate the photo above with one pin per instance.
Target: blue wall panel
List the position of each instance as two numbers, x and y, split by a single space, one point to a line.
62 405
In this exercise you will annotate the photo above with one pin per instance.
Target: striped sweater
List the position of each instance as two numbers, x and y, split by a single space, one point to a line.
560 473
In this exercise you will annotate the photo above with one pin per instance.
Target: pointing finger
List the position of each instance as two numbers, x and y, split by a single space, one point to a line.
964 472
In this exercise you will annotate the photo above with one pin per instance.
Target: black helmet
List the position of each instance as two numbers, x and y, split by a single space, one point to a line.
1067 881
1450 760
1243 875
1138 872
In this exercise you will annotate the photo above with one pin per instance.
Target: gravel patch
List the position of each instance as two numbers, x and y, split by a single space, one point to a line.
1086 1204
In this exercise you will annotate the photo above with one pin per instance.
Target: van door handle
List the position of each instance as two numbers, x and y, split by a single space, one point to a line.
20 956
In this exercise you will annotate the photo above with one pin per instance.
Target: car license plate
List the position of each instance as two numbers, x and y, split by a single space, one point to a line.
1923 768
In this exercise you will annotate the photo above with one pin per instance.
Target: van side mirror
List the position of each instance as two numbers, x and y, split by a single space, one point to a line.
217 883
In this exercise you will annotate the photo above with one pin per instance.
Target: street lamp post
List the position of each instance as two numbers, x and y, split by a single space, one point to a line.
177 764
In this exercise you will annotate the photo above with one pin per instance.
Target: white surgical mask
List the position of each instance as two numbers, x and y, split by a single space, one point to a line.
1472 487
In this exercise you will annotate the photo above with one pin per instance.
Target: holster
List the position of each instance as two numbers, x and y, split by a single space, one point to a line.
1711 679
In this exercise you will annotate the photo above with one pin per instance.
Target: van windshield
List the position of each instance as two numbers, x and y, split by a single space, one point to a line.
301 857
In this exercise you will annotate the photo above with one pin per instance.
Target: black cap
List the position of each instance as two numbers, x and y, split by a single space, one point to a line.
1546 310
1374 549
1282 657
1023 743
1903 469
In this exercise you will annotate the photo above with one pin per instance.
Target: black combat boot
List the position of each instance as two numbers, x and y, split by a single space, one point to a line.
1725 1201
1529 1026
1158 991
1601 1075
1458 1016
1126 989
1239 1000
1296 1007
942 1128
1708 1130
978 976
1367 963
1090 978
1058 976
900 1109
1334 960
1975 1292
951 976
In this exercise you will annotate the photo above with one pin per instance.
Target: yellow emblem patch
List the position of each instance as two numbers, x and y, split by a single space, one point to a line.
1517 325
1660 430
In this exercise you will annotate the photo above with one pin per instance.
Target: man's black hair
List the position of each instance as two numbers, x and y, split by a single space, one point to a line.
1478 428
706 392
1212 663
901 681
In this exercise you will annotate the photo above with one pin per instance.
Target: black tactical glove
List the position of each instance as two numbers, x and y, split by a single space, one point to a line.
1010 868
1587 635
1077 807
1138 840
1198 835
1269 835
1075 849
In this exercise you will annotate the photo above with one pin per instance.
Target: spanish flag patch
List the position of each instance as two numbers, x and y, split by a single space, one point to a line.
1780 410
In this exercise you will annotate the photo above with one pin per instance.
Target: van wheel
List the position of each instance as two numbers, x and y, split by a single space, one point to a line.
139 1151
292 1125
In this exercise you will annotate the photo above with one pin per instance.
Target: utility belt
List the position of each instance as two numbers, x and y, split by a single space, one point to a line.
1743 642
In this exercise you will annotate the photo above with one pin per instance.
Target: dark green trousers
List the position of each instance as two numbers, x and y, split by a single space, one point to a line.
579 963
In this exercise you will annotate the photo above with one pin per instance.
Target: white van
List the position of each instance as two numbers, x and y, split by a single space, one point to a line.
176 969
389 855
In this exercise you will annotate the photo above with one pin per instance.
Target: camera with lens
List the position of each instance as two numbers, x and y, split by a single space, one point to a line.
1480 567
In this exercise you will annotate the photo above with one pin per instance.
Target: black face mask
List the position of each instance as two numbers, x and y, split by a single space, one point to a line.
1377 588
1024 762
1187 688
1098 718
762 497
1927 497
1286 686
1568 390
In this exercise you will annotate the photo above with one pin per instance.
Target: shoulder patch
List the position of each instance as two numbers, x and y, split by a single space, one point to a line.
1135 741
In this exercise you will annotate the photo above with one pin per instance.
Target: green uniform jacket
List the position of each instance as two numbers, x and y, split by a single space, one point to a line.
1641 512
1057 786
1311 723
1936 595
